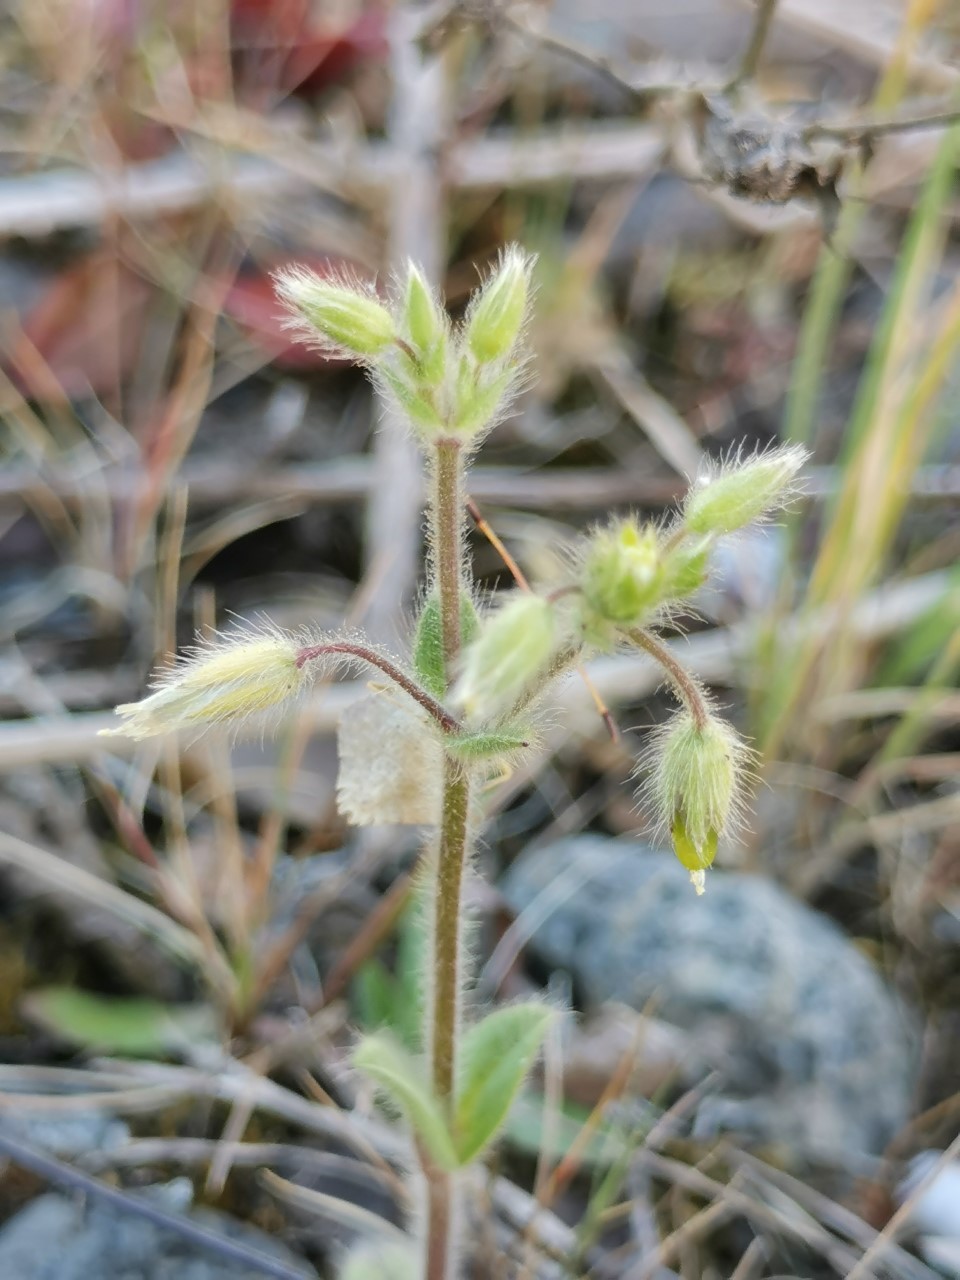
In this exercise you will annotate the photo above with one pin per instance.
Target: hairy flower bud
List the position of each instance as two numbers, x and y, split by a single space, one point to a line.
424 324
622 572
512 650
225 682
743 491
495 320
696 786
341 316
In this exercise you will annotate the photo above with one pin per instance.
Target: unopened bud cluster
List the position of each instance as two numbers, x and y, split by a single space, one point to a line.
452 383
445 381
627 575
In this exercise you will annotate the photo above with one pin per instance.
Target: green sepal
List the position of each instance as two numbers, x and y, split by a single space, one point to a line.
428 642
685 569
495 1056
419 408
691 856
477 404
403 1079
422 319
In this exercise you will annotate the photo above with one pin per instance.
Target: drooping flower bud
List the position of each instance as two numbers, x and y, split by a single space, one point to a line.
622 572
743 491
696 786
496 318
226 682
342 316
512 649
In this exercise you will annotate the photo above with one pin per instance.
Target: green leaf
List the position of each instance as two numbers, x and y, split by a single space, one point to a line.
375 995
393 1001
404 1080
484 745
138 1028
531 1130
495 1057
428 642
469 619
411 973
428 649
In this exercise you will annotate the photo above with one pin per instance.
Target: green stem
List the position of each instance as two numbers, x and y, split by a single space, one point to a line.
446 520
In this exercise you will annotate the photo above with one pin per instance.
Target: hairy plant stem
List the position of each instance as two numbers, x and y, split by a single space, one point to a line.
680 677
447 928
446 520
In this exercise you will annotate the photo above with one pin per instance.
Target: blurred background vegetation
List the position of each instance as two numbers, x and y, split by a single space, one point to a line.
729 254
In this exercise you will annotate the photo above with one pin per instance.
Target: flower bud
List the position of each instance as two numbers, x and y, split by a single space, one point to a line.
495 320
341 316
742 492
513 648
696 786
423 323
622 572
226 682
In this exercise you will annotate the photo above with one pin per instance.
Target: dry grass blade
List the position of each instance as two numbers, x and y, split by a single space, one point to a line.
344 1213
47 868
886 1238
72 1180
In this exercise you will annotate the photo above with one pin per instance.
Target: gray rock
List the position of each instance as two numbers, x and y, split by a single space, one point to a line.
56 1238
816 1050
68 1133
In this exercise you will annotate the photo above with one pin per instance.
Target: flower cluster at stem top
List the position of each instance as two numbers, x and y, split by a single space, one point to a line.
626 576
445 382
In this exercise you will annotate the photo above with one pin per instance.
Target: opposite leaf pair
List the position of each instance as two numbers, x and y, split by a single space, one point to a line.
495 1056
